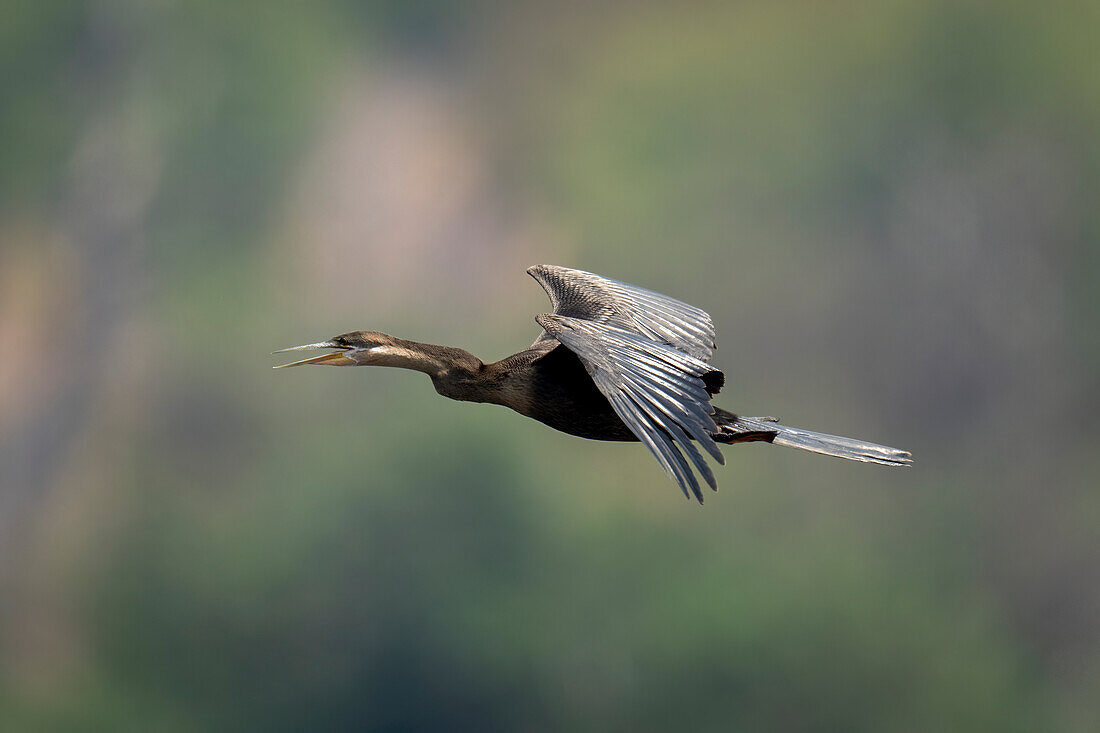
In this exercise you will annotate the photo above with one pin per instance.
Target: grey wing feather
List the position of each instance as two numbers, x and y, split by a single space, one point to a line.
590 297
654 388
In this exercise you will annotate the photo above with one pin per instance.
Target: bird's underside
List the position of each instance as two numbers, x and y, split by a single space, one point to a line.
614 362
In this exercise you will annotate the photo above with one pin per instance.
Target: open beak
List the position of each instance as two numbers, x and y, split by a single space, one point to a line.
335 358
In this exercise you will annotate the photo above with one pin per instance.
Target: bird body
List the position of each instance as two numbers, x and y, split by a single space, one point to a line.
548 383
614 362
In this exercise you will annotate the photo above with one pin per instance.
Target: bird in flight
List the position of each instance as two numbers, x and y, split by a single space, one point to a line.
614 362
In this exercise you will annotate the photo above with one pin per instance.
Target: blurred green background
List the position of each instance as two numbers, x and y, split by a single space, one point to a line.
890 209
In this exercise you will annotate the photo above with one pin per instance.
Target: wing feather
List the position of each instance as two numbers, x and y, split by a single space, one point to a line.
591 297
656 389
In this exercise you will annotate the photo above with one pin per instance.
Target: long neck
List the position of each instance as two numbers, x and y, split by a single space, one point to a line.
438 362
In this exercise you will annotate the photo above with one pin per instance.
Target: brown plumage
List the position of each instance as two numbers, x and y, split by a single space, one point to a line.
614 362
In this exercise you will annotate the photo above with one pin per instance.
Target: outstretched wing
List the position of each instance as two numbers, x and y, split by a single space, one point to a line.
585 296
657 391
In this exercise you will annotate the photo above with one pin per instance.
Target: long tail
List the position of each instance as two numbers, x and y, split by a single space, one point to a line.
737 429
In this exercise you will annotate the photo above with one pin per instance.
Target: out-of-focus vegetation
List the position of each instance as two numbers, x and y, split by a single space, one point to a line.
889 208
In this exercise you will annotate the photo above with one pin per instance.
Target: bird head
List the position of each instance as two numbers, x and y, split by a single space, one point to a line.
356 348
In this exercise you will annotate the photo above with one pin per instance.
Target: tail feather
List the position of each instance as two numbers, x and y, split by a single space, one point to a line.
743 429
